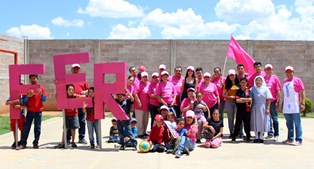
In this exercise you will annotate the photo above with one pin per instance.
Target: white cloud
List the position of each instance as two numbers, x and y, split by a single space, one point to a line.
59 21
111 9
30 32
122 32
280 26
244 10
305 8
185 24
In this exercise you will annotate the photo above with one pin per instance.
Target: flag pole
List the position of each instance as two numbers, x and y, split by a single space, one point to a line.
223 70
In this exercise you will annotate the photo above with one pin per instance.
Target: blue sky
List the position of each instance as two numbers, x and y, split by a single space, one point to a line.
158 19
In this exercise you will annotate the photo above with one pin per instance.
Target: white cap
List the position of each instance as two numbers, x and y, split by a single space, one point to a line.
207 74
190 68
190 113
269 66
155 74
164 107
144 74
289 68
232 72
76 65
162 66
164 73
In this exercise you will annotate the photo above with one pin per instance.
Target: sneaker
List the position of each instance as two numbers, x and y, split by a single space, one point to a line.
269 137
122 148
287 142
198 141
82 141
233 140
178 154
92 146
20 147
186 151
298 143
255 141
276 138
73 145
60 145
260 141
169 151
248 139
13 146
35 146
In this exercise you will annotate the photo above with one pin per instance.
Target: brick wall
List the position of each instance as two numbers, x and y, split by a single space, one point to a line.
205 53
13 44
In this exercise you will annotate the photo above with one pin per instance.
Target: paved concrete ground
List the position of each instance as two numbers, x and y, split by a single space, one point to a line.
230 155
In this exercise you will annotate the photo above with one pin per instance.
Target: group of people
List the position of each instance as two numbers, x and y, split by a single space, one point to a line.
193 105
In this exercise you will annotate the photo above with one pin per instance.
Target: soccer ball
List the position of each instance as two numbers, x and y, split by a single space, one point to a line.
144 146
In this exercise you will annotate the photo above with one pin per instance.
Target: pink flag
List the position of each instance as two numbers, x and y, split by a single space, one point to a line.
240 56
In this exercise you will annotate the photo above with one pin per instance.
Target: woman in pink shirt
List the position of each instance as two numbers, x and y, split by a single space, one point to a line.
210 94
219 81
166 91
189 81
153 99
141 104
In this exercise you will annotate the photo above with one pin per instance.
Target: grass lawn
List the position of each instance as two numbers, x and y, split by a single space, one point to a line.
5 123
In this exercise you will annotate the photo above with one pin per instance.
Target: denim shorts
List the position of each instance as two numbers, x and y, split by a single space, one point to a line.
72 122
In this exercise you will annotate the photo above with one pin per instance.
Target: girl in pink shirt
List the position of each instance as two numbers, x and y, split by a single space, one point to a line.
141 104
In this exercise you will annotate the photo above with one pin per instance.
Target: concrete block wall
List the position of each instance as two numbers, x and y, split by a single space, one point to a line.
150 53
12 44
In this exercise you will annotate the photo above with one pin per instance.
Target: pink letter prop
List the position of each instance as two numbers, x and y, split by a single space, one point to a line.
104 91
16 90
63 79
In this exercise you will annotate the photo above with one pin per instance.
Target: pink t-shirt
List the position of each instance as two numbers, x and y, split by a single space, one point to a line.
166 91
136 82
273 84
210 94
177 82
252 77
297 82
190 130
142 92
131 90
200 81
152 90
186 102
219 82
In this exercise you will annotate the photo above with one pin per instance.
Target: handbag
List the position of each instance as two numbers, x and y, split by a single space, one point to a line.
208 134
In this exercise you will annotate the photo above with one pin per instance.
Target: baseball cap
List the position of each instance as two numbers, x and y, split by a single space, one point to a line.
155 74
164 72
162 66
133 120
207 74
190 113
190 89
190 68
232 72
159 117
76 65
289 68
144 74
164 107
142 68
269 66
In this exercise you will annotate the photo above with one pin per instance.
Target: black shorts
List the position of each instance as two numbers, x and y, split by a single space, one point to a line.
72 122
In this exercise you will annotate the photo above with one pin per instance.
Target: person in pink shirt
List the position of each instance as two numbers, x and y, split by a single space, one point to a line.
273 84
241 72
153 99
293 103
199 75
219 81
133 72
176 80
258 72
130 86
161 68
141 98
140 70
210 94
166 91
187 103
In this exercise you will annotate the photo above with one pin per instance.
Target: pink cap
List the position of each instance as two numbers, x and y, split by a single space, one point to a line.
289 68
269 66
155 74
159 117
232 72
164 73
190 113
142 68
162 66
76 65
144 74
190 68
207 74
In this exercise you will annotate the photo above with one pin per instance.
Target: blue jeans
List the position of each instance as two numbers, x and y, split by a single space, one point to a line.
221 110
274 124
294 120
124 129
82 121
93 126
153 112
27 126
186 142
